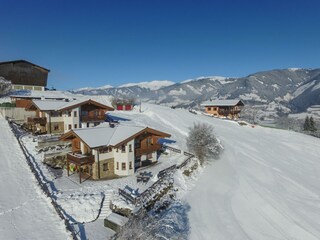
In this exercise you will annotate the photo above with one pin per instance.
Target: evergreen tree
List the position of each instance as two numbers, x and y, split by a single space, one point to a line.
312 125
306 125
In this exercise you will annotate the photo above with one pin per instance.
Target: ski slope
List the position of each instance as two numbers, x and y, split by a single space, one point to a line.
266 184
25 212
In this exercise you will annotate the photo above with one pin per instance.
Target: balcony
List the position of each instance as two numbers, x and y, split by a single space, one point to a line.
80 159
150 149
228 111
35 120
87 118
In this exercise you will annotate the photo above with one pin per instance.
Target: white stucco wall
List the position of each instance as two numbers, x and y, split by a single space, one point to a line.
71 120
126 157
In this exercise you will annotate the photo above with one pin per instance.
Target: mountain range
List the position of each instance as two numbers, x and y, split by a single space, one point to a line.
290 90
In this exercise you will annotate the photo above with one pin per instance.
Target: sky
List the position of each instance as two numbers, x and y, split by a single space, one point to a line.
113 42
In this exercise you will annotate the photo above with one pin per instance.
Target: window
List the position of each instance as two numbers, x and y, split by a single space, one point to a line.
104 150
117 150
76 126
56 127
105 167
123 148
214 109
117 165
209 108
69 114
149 156
123 166
69 126
87 124
130 148
75 113
149 141
130 165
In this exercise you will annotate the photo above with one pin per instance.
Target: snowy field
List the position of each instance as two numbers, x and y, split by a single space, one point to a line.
25 212
264 186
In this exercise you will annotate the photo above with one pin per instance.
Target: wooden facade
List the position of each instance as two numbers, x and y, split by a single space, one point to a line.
224 109
24 74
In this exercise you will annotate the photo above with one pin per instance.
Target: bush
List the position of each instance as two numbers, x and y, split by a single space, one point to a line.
202 142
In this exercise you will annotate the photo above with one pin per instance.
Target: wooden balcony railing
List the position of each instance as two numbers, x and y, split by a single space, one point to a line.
35 120
80 159
150 149
228 111
88 118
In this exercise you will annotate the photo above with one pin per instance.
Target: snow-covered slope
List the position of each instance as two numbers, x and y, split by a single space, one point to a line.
25 212
152 85
264 186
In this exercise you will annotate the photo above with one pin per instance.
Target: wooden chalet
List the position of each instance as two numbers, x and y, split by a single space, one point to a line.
230 108
108 151
24 75
53 116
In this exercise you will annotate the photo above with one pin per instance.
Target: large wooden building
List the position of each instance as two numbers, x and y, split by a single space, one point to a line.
24 75
230 108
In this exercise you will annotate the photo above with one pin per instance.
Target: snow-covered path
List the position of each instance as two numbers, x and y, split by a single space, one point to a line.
25 212
266 184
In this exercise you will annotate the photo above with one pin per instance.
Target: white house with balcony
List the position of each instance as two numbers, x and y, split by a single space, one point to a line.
60 116
108 150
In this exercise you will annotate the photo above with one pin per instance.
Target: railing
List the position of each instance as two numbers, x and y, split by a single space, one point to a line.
166 171
88 118
228 111
150 149
127 196
79 158
172 149
35 120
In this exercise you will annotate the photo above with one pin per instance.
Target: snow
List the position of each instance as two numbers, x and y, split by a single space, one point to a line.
303 88
117 219
25 212
177 92
152 85
294 69
264 186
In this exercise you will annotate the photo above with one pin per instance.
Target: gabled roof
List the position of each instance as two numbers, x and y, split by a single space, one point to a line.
56 105
104 135
24 61
59 95
223 103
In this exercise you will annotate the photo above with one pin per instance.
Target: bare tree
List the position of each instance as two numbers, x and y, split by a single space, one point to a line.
202 142
5 86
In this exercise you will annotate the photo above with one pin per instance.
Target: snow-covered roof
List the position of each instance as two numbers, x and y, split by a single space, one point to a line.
104 135
49 105
58 105
228 102
117 219
44 95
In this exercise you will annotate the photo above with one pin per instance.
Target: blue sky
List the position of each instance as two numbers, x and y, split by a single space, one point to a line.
95 43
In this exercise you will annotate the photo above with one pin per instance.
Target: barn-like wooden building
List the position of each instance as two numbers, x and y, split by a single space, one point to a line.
24 75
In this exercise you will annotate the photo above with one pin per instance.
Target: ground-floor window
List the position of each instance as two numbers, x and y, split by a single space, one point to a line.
123 166
105 167
130 165
149 155
55 127
69 126
117 165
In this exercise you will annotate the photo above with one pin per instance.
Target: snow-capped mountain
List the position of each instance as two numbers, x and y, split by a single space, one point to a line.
153 85
292 89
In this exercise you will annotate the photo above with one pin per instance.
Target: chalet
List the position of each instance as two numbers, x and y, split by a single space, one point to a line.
108 150
230 108
24 75
53 116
